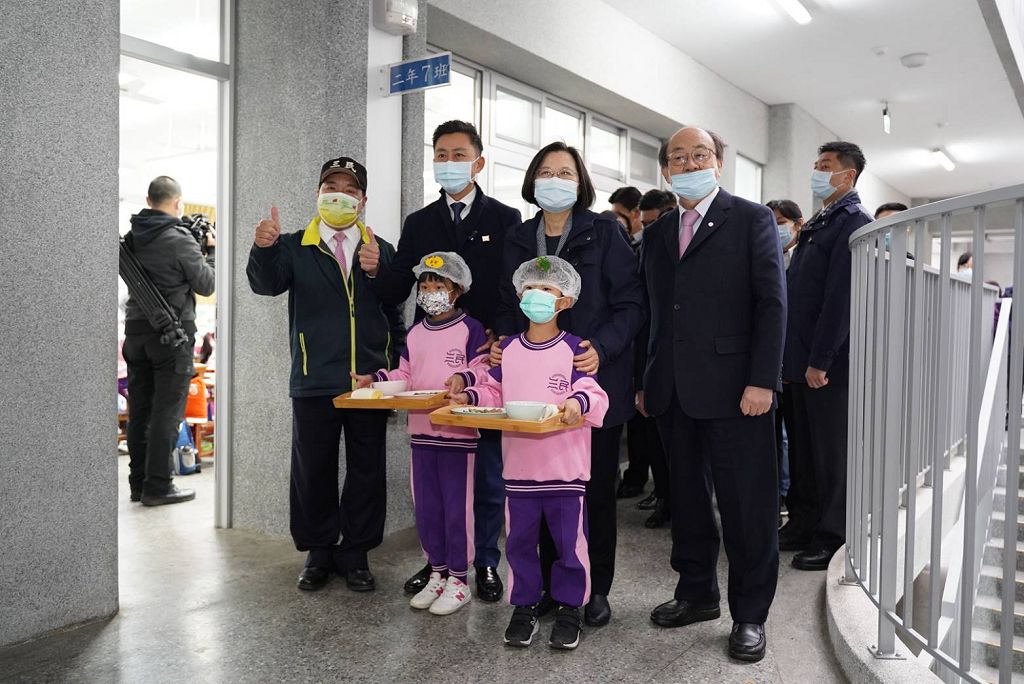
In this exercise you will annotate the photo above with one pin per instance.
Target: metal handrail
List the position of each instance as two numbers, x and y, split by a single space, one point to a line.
923 455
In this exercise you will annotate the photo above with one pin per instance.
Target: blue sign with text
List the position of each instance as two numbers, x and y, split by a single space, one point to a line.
419 74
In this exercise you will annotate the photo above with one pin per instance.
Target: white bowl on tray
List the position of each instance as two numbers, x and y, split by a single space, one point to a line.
529 410
391 387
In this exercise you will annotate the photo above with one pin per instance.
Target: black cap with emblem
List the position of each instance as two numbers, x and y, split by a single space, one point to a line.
344 165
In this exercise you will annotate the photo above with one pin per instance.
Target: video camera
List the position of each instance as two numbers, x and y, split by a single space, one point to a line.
200 227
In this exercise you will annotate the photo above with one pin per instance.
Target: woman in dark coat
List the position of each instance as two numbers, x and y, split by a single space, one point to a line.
607 316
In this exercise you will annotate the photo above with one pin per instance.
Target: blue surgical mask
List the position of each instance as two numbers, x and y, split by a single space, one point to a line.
784 236
453 176
966 273
821 184
555 194
695 185
538 305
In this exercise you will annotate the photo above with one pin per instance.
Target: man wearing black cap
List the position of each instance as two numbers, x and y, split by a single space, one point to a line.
337 327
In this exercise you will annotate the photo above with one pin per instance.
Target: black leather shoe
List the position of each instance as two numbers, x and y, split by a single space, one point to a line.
488 585
545 605
598 612
360 580
659 517
171 496
813 559
136 495
679 613
647 503
747 642
792 540
312 578
628 491
414 584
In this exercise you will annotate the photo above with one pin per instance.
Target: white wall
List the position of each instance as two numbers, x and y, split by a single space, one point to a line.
383 138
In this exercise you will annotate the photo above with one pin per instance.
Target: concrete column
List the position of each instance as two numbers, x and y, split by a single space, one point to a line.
58 273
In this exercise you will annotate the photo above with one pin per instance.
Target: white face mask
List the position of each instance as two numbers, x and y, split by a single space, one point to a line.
434 303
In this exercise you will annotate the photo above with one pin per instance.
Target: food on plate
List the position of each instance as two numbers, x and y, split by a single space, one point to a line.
367 393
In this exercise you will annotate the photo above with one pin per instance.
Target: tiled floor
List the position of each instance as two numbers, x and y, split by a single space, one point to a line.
206 605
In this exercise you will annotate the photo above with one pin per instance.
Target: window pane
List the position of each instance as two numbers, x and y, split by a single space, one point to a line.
192 27
643 162
508 188
748 179
168 128
457 101
560 125
605 150
515 117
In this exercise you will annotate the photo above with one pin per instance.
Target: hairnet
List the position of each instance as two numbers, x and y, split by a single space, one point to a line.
447 265
548 270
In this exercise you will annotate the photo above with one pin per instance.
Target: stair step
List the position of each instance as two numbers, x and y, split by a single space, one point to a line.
995 526
994 549
988 614
991 674
985 649
999 502
1001 475
991 583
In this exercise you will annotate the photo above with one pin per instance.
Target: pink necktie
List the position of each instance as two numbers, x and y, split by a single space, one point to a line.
690 218
339 251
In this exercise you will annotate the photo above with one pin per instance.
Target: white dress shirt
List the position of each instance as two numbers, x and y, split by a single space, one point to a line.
467 200
350 235
702 209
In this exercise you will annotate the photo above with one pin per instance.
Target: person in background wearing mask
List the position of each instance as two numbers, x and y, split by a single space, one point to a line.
466 221
710 378
158 374
817 359
965 265
789 220
337 326
607 316
626 209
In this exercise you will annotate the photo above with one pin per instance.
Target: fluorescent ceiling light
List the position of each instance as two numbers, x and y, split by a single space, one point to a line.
795 10
886 119
943 159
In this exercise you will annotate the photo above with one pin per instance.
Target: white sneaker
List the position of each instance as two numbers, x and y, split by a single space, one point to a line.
430 593
456 594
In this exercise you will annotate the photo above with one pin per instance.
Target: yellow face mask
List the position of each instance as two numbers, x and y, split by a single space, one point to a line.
338 209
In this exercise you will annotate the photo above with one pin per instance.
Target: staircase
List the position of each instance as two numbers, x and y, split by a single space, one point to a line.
988 614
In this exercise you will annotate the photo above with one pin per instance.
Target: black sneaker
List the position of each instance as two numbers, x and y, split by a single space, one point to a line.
565 635
522 626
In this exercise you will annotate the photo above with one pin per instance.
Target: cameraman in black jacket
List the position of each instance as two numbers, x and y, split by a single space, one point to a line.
159 374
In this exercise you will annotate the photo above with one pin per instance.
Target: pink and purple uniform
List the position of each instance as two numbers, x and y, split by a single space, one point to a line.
442 456
545 475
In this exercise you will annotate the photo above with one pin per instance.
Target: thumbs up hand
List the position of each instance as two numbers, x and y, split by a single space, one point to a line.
369 254
269 230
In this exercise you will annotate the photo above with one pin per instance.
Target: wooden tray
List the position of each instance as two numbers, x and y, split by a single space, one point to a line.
424 403
444 416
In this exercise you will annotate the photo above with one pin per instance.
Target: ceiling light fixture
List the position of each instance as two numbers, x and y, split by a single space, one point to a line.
886 119
914 60
943 159
796 11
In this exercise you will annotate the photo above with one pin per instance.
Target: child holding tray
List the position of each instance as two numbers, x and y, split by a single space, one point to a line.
545 474
444 342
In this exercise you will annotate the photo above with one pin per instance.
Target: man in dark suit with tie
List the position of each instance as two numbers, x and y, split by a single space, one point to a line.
466 221
714 278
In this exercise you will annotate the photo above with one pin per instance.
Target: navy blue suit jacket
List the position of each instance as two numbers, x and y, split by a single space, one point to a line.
718 315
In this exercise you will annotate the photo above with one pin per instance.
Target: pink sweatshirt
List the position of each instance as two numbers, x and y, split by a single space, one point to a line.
433 353
556 463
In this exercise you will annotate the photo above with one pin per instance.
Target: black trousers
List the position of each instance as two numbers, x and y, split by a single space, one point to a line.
817 463
645 451
601 509
736 456
318 516
158 379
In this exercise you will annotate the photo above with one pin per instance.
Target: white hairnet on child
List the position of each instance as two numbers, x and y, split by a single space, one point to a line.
447 265
548 270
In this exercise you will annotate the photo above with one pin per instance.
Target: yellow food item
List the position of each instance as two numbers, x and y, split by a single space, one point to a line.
367 393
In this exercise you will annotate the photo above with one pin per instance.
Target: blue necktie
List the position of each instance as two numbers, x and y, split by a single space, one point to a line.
457 208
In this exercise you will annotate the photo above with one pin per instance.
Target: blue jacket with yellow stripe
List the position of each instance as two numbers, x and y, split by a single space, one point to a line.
336 324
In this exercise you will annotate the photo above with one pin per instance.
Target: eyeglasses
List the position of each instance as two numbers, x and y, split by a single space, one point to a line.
700 157
563 173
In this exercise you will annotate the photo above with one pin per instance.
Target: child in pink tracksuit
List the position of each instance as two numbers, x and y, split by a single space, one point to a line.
444 342
545 474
